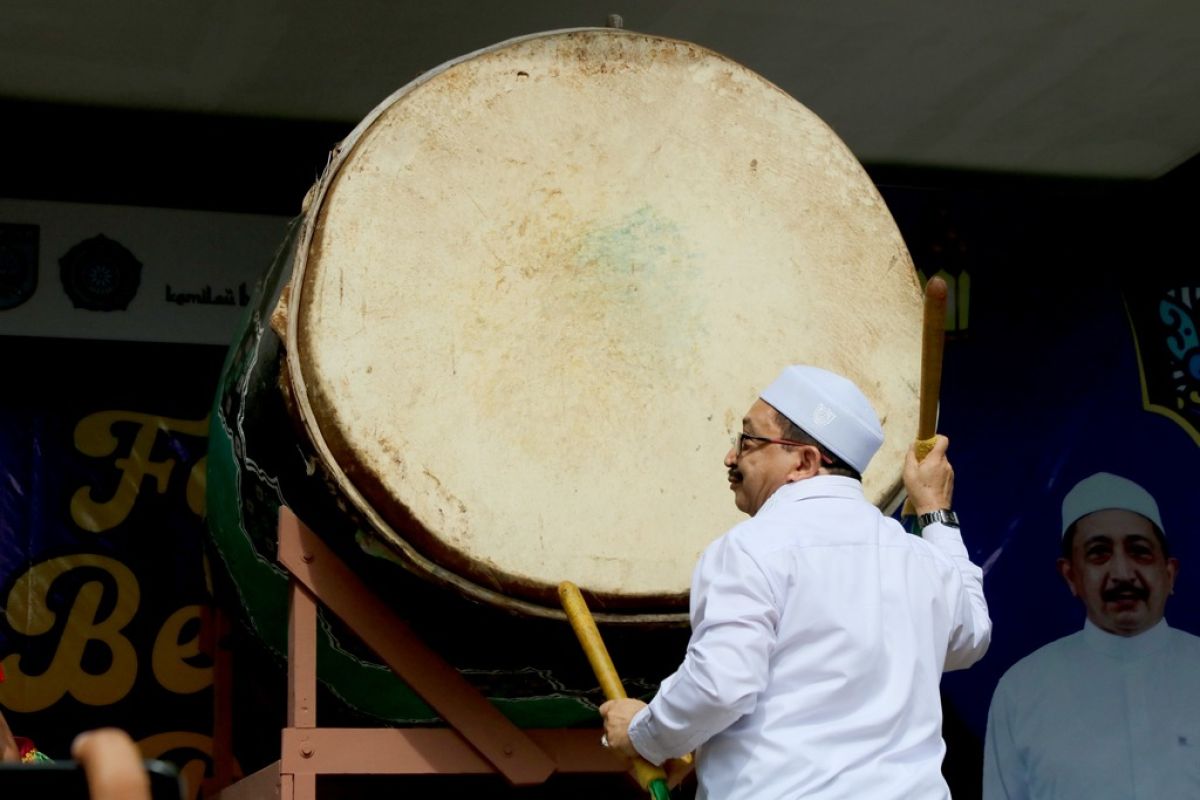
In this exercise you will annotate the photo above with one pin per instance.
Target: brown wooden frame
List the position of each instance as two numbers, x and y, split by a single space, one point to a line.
478 739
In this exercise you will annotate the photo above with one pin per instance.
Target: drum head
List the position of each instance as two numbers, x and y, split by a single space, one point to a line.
540 286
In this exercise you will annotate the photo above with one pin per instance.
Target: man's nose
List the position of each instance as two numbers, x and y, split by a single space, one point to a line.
1121 567
731 457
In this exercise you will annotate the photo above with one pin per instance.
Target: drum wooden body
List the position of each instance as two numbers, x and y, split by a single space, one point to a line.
527 304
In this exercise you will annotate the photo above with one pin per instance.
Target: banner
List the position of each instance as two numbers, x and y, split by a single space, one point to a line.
1073 351
101 544
74 270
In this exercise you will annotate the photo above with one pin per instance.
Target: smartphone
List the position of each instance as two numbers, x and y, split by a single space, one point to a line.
55 780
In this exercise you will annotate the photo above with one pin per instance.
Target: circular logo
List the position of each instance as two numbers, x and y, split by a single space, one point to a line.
99 274
18 264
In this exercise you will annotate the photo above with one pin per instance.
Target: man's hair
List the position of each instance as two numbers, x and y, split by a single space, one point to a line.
1068 540
797 434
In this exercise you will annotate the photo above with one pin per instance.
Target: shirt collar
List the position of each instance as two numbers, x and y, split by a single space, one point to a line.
1127 648
835 486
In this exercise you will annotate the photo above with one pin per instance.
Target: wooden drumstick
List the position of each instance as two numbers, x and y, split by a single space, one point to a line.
653 779
933 339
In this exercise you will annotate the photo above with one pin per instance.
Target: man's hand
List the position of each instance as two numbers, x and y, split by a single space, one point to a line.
617 715
930 482
8 745
677 769
112 764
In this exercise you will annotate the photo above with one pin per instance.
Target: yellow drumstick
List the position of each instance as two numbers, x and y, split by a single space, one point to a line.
933 338
653 779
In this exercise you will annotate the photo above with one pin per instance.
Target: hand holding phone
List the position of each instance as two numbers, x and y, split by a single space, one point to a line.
108 766
112 764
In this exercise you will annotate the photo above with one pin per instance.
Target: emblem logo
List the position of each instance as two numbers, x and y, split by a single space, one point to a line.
1168 347
18 264
823 415
99 274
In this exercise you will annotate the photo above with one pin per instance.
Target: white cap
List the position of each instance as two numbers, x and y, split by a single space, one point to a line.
830 409
1104 491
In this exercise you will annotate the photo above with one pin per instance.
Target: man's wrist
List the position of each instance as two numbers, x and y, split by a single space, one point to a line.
942 516
642 740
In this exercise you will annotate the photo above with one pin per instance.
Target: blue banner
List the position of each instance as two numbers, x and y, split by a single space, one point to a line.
102 447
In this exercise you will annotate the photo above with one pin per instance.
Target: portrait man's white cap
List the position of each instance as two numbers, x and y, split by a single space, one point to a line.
831 409
1105 491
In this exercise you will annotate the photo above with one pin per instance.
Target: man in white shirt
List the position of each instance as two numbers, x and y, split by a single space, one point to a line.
820 628
1112 711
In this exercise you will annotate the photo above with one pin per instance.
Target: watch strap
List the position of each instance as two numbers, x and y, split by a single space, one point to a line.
943 516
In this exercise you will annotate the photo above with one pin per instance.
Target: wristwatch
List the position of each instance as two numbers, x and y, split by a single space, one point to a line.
943 515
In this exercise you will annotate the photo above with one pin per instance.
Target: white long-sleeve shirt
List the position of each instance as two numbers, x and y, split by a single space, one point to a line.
820 630
1094 716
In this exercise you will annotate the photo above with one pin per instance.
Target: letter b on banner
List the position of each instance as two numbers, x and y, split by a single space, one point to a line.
29 614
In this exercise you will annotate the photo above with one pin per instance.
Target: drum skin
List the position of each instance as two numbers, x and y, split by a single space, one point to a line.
536 290
527 304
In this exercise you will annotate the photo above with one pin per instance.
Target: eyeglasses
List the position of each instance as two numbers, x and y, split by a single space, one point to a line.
739 444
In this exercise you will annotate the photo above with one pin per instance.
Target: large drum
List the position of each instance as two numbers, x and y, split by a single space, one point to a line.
527 304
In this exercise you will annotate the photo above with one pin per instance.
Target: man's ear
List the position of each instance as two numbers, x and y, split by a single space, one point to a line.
806 463
1068 575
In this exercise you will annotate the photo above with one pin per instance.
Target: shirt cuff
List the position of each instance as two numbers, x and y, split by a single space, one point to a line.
642 739
944 535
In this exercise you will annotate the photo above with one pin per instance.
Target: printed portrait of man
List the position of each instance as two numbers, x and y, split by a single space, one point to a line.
1113 710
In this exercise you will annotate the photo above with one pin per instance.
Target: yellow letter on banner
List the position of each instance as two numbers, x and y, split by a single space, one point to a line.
192 773
29 614
172 671
197 481
94 437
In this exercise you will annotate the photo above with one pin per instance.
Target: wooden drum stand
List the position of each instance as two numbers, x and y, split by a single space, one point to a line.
478 739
